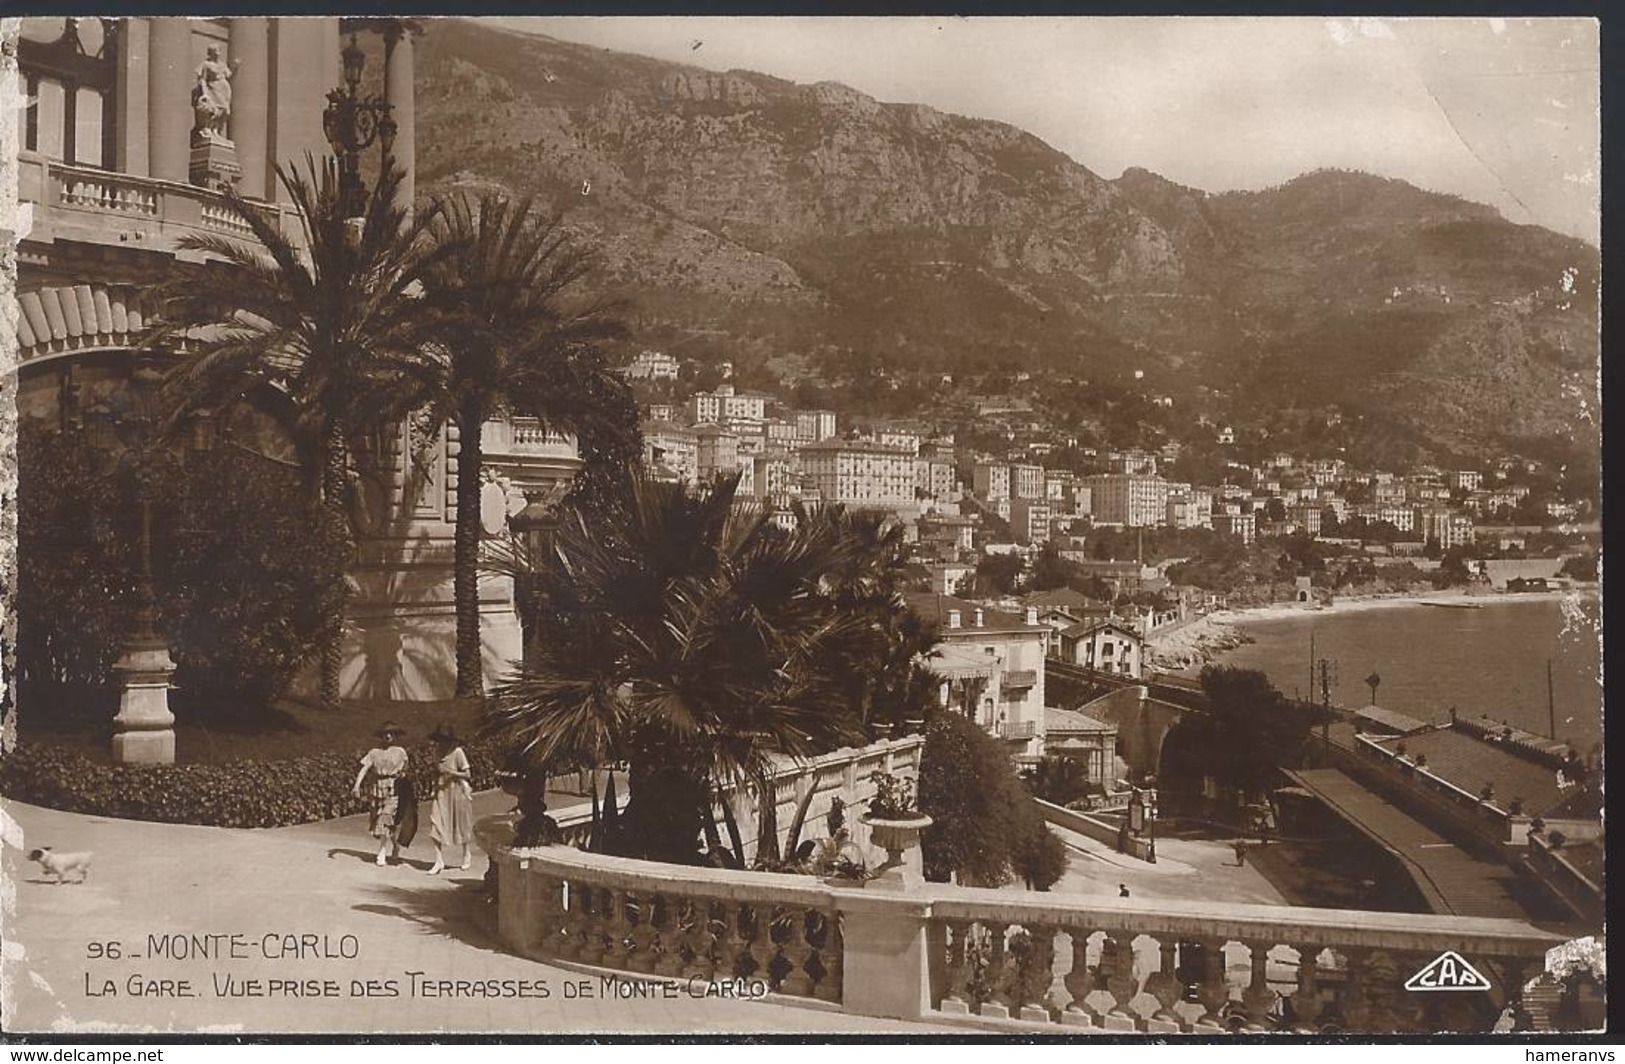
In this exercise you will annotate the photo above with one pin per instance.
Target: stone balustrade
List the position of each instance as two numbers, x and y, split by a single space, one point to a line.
1003 959
846 773
1483 820
90 205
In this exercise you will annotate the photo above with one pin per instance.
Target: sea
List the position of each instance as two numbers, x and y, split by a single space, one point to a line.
1428 659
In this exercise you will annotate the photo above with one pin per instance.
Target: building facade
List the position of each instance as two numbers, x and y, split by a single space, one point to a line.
1128 500
993 667
116 165
858 473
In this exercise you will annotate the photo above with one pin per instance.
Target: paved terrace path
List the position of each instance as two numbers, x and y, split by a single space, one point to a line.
312 880
1452 880
1185 870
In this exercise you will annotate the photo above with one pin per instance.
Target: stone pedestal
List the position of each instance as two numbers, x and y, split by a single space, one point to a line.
146 727
214 162
905 863
886 964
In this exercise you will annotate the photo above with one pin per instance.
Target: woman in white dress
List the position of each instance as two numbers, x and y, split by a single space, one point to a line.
451 818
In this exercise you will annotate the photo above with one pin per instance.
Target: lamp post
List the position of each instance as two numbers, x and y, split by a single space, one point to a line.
145 727
352 123
533 529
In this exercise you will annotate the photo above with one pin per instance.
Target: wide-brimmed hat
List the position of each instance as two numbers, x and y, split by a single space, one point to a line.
388 728
445 733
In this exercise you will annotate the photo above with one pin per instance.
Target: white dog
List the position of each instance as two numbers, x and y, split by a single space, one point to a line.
60 864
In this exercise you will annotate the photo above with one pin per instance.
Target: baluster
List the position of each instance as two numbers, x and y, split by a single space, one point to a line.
554 938
997 973
831 955
760 945
566 936
797 953
1403 1010
1164 985
593 901
956 997
705 941
1212 987
1257 997
640 933
618 928
1306 1005
1333 982
1079 982
676 935
1355 1006
1117 962
731 944
1037 1001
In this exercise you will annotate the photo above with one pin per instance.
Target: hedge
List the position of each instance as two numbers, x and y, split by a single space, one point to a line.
241 794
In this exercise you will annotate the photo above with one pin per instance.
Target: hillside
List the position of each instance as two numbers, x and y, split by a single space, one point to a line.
749 217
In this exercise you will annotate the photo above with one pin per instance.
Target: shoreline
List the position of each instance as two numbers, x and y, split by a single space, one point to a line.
1209 637
1358 603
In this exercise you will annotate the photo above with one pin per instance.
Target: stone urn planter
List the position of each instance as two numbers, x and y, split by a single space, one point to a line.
900 838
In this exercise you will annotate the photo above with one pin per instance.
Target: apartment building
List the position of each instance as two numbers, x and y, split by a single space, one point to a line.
860 473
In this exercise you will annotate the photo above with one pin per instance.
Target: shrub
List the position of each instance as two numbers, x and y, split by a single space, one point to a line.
984 824
248 579
1039 856
241 794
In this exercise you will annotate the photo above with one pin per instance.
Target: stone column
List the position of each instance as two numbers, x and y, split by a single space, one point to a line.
398 91
169 99
130 154
251 101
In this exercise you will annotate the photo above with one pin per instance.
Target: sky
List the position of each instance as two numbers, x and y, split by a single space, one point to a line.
1500 111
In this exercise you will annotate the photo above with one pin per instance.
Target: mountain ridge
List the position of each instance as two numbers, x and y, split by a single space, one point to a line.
770 218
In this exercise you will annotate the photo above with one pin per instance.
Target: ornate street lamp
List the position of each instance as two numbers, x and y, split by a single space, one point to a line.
352 123
145 726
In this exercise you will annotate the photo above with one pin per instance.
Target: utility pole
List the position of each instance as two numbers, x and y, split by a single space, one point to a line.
1551 704
1311 663
1326 704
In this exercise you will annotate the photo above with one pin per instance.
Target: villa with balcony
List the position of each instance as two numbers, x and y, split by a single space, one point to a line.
993 667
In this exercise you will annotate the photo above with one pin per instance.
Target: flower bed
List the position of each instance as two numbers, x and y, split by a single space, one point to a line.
240 794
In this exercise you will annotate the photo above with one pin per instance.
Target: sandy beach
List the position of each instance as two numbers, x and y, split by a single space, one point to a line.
1357 603
1206 638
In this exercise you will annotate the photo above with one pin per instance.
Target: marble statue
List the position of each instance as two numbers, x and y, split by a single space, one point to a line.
211 96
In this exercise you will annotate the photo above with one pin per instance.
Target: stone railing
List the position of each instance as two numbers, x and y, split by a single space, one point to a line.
86 204
1480 821
1100 830
1582 892
846 773
1002 960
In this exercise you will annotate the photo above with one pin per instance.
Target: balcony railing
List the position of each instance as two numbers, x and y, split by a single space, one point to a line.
1001 960
1020 678
89 205
1019 729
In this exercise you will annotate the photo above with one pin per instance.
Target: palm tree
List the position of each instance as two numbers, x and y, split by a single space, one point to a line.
515 344
333 322
695 643
888 683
